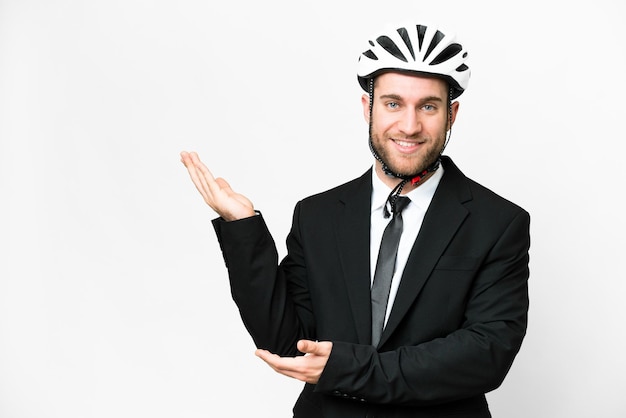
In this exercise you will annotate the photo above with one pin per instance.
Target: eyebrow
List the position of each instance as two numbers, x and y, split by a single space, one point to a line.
422 100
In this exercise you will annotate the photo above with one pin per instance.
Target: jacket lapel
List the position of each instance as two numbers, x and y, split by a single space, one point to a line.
353 237
443 218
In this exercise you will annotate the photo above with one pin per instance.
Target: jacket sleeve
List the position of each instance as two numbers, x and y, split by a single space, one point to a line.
273 311
469 361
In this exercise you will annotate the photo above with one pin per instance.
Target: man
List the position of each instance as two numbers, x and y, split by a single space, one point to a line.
447 328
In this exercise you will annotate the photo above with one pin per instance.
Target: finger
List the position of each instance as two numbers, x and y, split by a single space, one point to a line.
260 352
299 367
278 363
207 179
307 346
223 184
185 158
197 180
266 356
195 159
272 360
319 348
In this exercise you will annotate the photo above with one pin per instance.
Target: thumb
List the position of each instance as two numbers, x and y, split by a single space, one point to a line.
224 185
307 346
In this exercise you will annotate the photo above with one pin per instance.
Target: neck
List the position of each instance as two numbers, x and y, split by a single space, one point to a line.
392 181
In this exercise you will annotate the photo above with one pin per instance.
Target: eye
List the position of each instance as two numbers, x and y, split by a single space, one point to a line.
429 107
393 105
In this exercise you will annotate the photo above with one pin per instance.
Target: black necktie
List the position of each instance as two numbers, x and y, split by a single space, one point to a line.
385 267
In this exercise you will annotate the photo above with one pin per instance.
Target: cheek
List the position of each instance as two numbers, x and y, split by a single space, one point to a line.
435 126
383 122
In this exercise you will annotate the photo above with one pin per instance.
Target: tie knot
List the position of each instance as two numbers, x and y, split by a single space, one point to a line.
399 203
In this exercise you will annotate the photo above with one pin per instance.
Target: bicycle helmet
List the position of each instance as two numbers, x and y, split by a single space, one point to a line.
416 48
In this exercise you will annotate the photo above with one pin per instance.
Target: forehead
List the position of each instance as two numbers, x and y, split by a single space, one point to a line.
409 85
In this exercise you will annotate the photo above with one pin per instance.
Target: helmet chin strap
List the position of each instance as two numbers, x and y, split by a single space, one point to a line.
397 190
413 178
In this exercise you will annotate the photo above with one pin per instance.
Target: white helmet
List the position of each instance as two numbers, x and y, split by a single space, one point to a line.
416 48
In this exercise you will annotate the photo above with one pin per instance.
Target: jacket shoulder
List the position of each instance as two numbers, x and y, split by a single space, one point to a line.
473 193
342 192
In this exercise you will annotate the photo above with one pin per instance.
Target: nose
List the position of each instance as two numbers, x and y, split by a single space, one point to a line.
410 124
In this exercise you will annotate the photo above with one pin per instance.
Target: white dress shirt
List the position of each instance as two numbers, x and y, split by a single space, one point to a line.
412 217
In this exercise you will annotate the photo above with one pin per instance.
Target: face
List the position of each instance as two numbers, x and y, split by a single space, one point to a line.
409 121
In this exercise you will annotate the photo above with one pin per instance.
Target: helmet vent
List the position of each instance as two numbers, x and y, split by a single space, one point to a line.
450 51
391 47
369 54
433 43
404 34
421 32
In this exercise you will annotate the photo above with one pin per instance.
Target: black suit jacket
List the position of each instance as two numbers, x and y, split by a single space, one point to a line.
457 322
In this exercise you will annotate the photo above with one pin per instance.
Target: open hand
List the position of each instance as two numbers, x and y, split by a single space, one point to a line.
307 368
216 192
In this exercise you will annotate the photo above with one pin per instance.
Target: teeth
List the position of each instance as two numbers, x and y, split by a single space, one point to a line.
404 143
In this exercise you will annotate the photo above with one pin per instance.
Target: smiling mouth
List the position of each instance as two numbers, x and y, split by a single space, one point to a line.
407 144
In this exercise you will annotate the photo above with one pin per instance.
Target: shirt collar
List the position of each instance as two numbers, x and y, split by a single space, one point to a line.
421 196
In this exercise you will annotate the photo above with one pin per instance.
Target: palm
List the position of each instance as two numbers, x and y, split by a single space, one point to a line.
216 192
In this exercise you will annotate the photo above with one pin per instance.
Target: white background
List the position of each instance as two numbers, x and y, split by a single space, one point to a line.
113 295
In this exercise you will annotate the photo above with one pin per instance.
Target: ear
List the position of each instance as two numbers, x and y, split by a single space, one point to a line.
365 101
455 109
